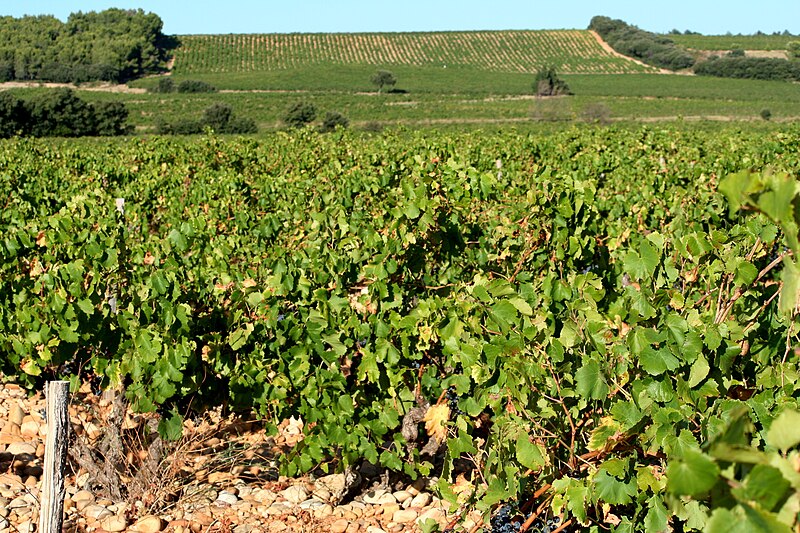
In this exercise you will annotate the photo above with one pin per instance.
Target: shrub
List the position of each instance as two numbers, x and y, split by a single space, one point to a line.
766 114
597 113
547 83
13 115
332 120
219 117
195 86
164 86
300 114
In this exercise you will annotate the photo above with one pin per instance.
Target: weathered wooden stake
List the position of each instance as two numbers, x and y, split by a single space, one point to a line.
51 514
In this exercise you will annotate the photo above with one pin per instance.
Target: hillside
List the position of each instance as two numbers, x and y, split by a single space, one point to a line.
570 51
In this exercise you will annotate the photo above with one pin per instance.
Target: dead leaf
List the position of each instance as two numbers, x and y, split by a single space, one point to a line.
149 259
248 283
41 239
436 422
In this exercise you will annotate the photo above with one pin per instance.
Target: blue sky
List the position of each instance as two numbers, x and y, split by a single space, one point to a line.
269 16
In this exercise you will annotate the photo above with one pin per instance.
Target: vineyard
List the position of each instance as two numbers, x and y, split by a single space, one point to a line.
579 327
570 51
732 42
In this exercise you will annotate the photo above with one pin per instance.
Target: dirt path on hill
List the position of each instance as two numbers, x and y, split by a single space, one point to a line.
607 48
105 87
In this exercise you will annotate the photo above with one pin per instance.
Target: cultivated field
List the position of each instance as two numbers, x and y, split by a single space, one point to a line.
571 51
731 42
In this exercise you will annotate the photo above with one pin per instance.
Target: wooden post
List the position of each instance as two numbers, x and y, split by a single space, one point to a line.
51 514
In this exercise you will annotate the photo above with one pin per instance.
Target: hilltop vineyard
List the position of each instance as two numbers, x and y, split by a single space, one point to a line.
570 51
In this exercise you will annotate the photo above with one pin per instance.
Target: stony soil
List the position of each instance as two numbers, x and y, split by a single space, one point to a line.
218 478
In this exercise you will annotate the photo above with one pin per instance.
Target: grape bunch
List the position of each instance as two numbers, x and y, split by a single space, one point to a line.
503 521
452 401
545 526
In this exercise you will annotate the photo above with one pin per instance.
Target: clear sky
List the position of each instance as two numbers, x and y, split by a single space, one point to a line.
270 16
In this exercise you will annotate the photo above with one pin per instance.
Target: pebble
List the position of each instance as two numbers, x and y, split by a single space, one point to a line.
272 503
227 497
148 524
379 497
402 495
82 498
21 448
423 499
16 415
96 512
340 526
114 523
404 516
295 494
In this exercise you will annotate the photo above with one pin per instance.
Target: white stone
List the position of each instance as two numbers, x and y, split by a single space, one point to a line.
21 448
295 494
379 497
227 497
421 500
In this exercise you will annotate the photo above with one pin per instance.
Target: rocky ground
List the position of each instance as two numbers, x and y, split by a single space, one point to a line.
219 477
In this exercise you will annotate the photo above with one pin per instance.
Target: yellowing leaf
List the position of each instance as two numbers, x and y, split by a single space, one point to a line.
435 422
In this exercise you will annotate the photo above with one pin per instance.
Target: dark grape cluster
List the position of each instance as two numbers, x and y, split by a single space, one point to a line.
74 367
452 401
545 526
503 521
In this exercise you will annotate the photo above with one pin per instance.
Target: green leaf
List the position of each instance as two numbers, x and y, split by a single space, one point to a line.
784 433
764 485
790 292
238 338
529 454
692 475
642 264
743 519
735 187
656 519
656 362
699 371
522 306
171 428
611 490
178 240
505 311
590 381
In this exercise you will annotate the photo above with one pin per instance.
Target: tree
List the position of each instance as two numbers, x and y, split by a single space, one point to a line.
299 114
60 113
383 78
547 83
13 115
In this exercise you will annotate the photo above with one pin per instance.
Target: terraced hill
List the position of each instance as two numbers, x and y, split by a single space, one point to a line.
570 51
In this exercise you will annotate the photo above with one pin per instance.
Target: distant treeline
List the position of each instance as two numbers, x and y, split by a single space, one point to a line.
650 48
756 68
112 45
60 113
